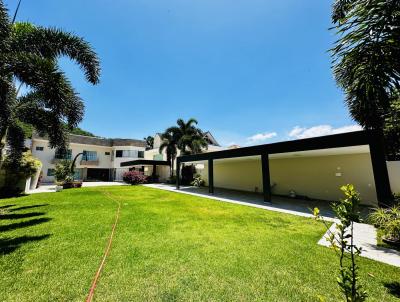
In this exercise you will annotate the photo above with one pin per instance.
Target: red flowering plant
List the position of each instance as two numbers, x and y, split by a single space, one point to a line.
134 178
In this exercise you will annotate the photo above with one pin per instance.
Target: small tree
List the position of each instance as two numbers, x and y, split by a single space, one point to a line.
149 142
342 242
62 171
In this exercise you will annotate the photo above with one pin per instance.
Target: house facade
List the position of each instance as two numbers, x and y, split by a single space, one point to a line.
102 159
106 159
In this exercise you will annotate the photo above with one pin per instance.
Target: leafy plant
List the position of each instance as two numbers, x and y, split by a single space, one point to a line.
62 171
149 142
29 56
388 221
198 181
26 167
342 241
365 62
134 177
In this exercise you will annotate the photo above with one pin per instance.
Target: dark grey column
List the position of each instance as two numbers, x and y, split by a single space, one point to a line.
266 177
379 167
211 176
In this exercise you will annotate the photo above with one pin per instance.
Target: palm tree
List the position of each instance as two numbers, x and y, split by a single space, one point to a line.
366 59
190 138
170 145
29 55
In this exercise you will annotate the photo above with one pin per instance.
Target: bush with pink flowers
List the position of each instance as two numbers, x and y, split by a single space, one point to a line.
134 178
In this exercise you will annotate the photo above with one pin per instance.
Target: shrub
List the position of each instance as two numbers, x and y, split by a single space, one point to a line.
197 181
63 170
134 178
26 167
388 221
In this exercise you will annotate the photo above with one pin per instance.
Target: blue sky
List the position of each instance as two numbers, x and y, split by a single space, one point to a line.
250 71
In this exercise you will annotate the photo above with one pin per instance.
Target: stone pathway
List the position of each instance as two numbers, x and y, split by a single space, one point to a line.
366 238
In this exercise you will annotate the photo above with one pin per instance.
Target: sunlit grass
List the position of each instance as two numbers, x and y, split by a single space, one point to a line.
167 247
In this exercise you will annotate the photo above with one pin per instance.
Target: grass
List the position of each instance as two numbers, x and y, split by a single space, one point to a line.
167 247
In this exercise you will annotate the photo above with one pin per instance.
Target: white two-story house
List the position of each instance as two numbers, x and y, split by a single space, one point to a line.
102 159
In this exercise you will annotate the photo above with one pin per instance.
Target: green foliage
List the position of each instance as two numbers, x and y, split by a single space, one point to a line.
366 56
29 54
63 172
198 181
342 241
26 167
80 131
186 137
388 221
392 130
149 142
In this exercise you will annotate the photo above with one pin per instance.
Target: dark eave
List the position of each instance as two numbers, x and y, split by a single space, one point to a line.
144 162
349 139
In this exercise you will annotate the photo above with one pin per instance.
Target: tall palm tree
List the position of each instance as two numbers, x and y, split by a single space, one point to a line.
170 145
29 54
366 59
190 138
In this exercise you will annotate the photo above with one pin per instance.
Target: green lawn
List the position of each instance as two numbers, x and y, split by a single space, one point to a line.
167 247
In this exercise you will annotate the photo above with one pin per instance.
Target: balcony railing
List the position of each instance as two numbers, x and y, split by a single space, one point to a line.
89 162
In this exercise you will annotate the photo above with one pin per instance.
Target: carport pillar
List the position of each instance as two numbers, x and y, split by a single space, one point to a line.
211 176
178 172
266 177
379 167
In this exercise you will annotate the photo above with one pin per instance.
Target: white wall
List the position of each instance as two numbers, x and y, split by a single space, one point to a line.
314 177
394 175
118 160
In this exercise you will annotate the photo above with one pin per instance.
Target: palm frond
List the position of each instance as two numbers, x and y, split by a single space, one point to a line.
52 43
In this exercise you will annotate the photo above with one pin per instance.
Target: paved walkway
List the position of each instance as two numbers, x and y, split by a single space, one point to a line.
365 237
48 188
364 234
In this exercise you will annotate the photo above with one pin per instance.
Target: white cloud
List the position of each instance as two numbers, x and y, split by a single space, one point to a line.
259 137
302 132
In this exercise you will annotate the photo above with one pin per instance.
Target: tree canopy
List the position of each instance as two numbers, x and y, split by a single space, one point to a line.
366 59
29 55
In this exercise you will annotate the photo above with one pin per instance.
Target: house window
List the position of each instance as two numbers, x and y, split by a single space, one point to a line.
129 153
50 172
62 155
90 155
107 153
39 148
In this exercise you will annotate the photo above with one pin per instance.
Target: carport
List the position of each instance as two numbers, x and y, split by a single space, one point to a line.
367 139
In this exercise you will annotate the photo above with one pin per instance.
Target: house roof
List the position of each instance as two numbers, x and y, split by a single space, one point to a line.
99 141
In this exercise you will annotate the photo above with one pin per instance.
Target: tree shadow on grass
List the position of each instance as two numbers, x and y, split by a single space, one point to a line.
24 224
19 216
393 288
9 245
28 207
7 206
